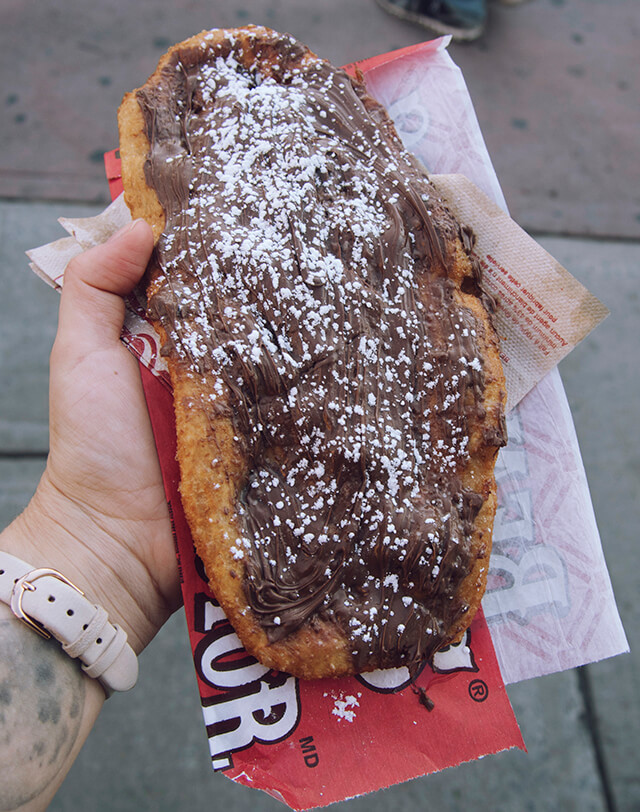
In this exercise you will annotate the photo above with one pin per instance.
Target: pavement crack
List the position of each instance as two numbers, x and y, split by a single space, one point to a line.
13 454
591 717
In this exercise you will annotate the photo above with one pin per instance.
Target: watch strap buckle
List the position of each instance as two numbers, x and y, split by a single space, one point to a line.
26 584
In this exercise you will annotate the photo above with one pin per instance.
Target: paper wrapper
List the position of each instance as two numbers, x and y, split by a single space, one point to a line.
549 605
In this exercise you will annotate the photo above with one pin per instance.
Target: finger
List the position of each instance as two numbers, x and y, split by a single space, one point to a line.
91 307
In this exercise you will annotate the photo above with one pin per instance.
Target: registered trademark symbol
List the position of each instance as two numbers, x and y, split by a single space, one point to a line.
478 690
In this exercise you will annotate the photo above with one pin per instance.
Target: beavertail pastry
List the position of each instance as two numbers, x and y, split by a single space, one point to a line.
338 391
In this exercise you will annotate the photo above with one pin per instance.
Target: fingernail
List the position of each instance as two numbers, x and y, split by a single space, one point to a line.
124 230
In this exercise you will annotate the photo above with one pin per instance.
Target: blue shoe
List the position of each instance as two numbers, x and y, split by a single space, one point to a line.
463 19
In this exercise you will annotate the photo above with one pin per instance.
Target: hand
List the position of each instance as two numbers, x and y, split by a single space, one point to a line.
99 514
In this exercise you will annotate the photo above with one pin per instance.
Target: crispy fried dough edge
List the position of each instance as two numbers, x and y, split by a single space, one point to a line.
479 472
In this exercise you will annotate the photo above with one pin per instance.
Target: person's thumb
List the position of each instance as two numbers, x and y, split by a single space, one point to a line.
91 307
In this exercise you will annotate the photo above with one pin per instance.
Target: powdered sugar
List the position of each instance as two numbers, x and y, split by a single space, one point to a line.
297 262
344 705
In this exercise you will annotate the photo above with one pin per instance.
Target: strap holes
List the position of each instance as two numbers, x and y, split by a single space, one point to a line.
99 640
51 598
85 627
1 572
70 612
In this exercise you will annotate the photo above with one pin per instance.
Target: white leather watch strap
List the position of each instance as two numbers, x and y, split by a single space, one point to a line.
53 607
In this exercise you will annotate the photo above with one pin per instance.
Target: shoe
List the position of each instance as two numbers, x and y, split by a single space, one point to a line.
463 19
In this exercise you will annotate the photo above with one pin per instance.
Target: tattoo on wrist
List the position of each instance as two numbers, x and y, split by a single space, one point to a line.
42 697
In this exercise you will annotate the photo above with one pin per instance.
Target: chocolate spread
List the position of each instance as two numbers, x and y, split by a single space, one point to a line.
305 262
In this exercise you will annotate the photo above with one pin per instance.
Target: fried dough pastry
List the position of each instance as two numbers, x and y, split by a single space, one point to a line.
338 391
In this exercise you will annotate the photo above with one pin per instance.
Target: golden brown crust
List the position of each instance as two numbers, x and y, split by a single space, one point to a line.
213 464
479 473
140 198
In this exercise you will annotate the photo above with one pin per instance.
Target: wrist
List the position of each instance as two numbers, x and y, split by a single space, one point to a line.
54 532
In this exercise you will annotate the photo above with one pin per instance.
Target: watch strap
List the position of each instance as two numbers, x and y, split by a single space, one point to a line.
53 607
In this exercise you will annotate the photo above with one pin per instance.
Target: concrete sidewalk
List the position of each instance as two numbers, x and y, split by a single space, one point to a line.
555 88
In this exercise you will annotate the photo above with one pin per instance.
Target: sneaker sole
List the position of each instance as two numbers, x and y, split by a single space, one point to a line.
463 34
